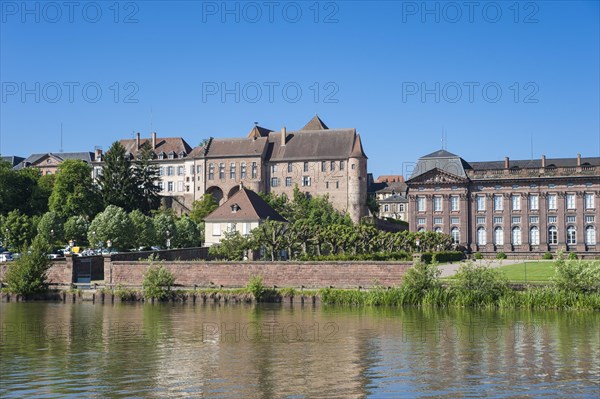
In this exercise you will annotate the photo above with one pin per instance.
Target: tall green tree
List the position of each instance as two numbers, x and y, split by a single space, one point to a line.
188 234
19 229
51 228
75 229
17 188
165 227
112 224
146 174
142 229
28 274
118 184
203 207
74 192
270 235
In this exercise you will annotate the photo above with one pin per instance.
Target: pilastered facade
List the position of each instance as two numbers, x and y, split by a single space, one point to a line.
515 207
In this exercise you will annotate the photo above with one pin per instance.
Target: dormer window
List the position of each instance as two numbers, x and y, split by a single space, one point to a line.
171 155
161 155
235 208
182 154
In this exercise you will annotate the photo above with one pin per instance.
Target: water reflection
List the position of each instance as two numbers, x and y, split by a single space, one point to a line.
273 351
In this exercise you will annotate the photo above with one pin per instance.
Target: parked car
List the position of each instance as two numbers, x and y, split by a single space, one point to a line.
6 257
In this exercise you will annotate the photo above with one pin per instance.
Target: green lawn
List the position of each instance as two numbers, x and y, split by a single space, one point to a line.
529 271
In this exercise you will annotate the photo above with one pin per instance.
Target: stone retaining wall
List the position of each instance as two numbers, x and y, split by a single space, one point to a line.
280 274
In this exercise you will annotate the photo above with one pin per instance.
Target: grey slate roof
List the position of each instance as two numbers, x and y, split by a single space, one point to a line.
394 198
443 160
313 145
164 144
238 147
251 208
536 163
315 124
87 157
13 160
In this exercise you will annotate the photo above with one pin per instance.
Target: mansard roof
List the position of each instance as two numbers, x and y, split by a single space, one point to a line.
249 206
441 160
87 157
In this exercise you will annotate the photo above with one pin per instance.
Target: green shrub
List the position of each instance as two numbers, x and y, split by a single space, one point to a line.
572 256
157 282
421 278
288 292
576 275
376 256
479 284
27 275
125 294
547 256
500 255
446 256
232 247
256 287
477 255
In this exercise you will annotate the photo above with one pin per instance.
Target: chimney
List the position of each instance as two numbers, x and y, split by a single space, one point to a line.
543 161
578 159
506 163
154 140
137 140
283 136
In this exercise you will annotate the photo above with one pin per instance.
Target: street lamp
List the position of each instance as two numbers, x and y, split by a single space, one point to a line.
168 240
418 244
94 235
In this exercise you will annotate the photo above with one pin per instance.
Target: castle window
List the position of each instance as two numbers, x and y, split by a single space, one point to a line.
498 206
288 181
437 203
274 182
571 219
437 220
498 236
170 186
420 220
342 165
590 235
221 171
170 171
551 219
243 170
516 202
337 184
161 171
254 170
323 166
552 202
305 181
353 166
289 169
516 219
211 171
570 201
454 203
534 202
534 235
274 168
480 203
180 171
455 233
497 219
386 208
481 239
332 166
552 235
589 201
534 219
516 236
306 166
421 204
232 170
571 235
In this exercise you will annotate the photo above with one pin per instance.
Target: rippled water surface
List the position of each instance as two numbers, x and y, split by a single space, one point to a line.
89 350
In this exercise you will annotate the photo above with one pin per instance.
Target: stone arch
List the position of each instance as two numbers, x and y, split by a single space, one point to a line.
217 193
233 190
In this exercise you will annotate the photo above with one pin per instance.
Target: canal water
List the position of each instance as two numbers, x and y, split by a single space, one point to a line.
55 350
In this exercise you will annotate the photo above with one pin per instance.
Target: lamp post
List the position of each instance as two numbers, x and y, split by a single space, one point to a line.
418 244
6 238
168 240
109 244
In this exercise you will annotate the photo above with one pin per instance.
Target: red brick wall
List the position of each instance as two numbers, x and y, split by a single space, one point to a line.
61 272
281 274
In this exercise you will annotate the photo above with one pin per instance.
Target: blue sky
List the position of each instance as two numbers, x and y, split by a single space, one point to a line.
494 77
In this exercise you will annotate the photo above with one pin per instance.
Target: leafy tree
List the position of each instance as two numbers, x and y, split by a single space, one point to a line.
74 193
576 275
19 229
75 229
143 229
40 196
51 228
28 274
16 188
421 278
188 234
164 226
111 224
373 205
269 235
145 172
118 185
232 247
203 207
479 284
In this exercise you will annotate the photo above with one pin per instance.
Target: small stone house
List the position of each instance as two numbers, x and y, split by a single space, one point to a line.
243 211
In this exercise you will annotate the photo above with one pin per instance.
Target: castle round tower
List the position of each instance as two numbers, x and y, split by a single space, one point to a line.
357 182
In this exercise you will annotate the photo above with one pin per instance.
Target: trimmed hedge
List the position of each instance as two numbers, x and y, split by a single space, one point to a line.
377 256
446 256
